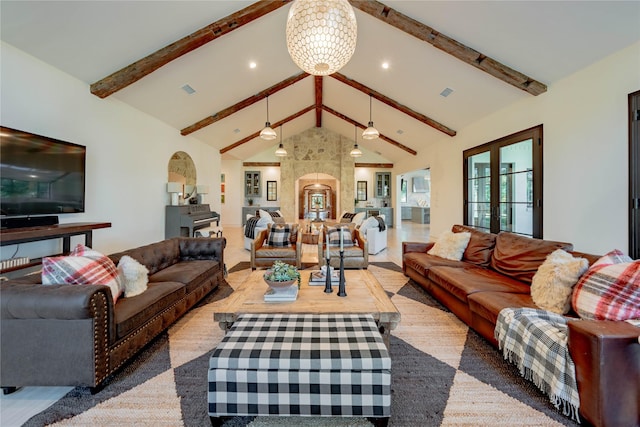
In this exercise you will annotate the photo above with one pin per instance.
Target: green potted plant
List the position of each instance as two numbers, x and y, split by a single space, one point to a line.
281 275
250 202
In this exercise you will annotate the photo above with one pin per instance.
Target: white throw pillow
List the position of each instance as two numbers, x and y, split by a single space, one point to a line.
368 223
552 285
357 220
265 218
135 276
450 245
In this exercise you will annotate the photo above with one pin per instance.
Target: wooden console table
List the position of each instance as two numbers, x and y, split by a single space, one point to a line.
14 236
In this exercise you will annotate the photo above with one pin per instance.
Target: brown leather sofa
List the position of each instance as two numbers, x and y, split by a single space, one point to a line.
64 335
495 273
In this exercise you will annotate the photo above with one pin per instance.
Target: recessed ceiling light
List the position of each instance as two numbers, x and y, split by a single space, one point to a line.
236 130
252 65
188 89
399 131
446 92
385 65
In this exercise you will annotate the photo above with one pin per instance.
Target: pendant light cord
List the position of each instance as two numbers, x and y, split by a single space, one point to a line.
268 108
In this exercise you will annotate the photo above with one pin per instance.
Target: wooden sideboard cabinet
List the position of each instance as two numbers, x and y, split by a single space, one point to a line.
14 236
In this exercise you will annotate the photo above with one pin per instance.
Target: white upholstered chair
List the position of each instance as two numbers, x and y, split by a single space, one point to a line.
376 239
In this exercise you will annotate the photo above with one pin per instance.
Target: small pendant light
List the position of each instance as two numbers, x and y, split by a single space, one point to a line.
356 151
370 132
281 152
267 133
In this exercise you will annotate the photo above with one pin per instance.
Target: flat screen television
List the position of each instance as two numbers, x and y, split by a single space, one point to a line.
40 175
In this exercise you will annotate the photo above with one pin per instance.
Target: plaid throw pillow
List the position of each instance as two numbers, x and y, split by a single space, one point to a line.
609 290
83 266
279 236
347 217
334 236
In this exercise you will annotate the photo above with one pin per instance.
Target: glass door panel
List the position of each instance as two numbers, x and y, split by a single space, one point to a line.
479 190
516 183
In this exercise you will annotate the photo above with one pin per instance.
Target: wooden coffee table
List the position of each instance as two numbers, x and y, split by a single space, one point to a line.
364 295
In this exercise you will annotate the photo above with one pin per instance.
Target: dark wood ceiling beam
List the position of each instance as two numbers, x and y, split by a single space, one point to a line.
134 72
243 104
318 89
273 125
361 126
374 165
450 46
260 164
394 104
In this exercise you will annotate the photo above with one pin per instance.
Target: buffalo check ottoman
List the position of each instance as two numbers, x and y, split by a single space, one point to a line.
301 365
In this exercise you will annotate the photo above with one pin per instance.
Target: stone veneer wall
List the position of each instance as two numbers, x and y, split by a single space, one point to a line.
316 150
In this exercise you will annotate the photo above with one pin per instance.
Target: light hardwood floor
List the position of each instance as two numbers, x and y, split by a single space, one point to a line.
18 407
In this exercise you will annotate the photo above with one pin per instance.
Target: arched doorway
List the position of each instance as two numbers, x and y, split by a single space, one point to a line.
318 202
317 195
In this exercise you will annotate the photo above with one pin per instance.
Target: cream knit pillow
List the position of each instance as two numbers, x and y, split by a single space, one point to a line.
553 283
451 245
135 276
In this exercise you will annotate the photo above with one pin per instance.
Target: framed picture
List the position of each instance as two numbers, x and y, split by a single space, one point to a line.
361 190
272 191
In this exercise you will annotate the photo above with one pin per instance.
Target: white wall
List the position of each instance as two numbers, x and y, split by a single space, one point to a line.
585 155
127 152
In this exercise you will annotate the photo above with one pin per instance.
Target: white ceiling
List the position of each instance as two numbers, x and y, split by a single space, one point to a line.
544 40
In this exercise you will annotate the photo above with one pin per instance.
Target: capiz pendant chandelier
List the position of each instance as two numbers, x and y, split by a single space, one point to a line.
321 35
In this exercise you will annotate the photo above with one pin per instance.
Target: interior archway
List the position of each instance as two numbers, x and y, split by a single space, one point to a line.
317 196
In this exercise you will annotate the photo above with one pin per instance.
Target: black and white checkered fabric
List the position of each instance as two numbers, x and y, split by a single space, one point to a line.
334 236
536 341
279 236
306 364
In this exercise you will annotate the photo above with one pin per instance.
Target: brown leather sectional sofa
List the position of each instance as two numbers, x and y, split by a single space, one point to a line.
495 273
63 335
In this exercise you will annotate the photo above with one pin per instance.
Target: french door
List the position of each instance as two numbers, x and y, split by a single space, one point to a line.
503 184
634 175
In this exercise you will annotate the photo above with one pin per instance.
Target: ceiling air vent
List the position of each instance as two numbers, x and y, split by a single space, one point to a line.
188 89
446 92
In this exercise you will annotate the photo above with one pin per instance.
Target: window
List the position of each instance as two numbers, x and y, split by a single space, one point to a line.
361 193
403 190
503 184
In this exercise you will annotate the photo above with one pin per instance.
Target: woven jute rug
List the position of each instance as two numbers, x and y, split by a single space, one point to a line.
443 374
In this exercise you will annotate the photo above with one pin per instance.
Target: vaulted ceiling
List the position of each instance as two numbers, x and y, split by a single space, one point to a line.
491 54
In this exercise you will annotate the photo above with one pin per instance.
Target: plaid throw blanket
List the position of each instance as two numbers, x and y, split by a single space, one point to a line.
250 227
536 341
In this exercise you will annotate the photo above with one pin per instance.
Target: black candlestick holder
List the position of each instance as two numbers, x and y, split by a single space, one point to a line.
341 290
327 276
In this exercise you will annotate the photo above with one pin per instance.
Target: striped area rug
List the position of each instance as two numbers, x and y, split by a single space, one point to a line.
443 374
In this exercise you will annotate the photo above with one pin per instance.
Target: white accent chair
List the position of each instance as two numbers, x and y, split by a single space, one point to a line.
376 239
262 225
